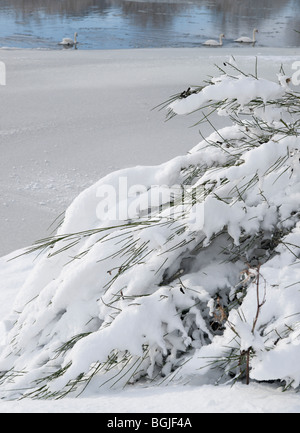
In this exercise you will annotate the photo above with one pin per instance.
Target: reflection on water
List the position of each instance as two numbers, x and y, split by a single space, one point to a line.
111 24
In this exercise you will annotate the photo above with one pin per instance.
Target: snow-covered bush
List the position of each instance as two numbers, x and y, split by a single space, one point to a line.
181 286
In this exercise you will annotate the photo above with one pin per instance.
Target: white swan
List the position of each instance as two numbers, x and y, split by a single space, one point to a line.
213 43
68 41
247 40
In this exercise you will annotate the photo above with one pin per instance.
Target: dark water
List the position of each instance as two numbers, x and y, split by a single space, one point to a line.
117 24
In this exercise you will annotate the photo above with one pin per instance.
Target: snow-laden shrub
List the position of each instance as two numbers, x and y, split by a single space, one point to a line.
183 286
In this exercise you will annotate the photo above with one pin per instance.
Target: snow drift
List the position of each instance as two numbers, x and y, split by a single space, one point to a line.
202 274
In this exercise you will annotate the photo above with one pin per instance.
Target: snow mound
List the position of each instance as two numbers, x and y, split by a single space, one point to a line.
170 271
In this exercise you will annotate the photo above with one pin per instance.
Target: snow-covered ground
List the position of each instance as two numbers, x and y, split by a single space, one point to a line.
255 398
67 119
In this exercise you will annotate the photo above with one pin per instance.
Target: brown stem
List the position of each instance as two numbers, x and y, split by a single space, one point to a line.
259 304
248 366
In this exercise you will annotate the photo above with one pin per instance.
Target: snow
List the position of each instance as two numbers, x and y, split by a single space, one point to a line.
52 148
255 398
243 90
108 97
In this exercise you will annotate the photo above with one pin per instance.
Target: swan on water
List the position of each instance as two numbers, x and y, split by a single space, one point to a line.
213 43
68 41
247 40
